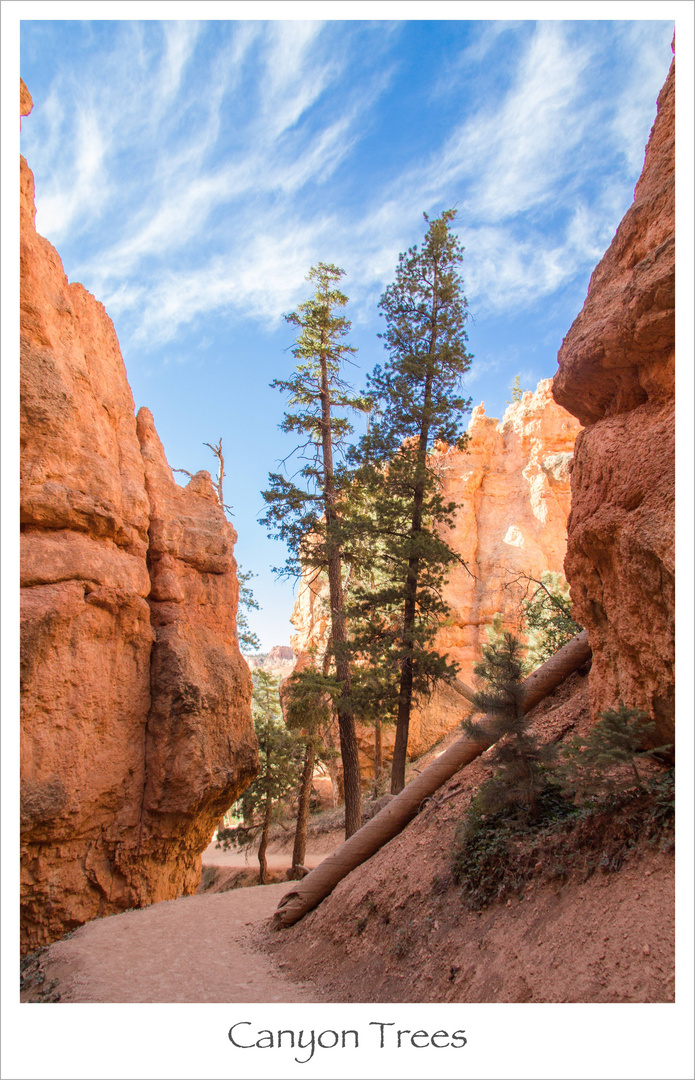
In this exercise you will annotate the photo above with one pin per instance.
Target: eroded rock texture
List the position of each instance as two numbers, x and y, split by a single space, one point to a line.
511 486
616 374
512 490
136 725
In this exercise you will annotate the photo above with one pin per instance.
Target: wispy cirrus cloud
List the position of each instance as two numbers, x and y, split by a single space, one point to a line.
518 170
62 207
180 41
264 285
212 188
513 157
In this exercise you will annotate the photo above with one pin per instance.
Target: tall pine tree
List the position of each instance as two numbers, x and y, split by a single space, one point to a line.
307 515
417 403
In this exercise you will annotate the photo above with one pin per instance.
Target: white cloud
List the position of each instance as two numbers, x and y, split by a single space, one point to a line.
180 39
637 97
478 369
266 283
64 207
508 159
293 79
221 212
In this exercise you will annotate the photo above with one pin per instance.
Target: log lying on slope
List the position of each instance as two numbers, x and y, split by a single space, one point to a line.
317 885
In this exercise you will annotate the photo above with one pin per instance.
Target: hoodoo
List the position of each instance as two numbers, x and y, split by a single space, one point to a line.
136 722
616 374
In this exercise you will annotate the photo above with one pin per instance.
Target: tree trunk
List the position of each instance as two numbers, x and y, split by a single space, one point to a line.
262 864
393 818
405 694
299 851
217 451
346 721
378 756
352 780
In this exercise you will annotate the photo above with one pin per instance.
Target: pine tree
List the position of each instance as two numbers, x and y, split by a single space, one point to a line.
606 759
517 392
520 761
280 761
547 617
307 701
248 641
308 517
416 403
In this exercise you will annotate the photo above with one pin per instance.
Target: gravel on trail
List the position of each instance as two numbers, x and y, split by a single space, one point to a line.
194 949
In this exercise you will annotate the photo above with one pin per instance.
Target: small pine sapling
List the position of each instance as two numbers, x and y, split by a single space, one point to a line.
516 390
520 761
606 760
546 614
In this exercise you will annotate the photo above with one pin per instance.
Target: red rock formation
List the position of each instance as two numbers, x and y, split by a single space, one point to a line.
616 374
512 490
280 661
25 102
136 725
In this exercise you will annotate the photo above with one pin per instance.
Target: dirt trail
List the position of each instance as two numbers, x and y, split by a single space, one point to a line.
195 949
277 857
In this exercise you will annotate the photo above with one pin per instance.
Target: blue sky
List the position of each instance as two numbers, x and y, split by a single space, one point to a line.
190 173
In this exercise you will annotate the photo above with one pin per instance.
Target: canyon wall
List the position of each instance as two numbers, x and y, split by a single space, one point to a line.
512 489
136 721
616 375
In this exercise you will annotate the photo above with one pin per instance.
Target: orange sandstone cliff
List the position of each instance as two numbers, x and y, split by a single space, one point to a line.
136 722
616 374
512 489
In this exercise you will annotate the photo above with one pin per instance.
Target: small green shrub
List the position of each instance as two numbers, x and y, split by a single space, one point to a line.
492 854
497 855
606 759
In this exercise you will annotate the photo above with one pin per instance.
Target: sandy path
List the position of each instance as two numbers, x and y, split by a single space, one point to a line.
195 949
277 860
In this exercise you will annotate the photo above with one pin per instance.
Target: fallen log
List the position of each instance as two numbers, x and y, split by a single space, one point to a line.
463 689
317 885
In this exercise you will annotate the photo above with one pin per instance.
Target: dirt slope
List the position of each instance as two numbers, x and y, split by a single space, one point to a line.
609 939
396 929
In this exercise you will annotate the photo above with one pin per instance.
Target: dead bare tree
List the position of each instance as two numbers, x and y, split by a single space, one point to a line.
217 451
217 484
